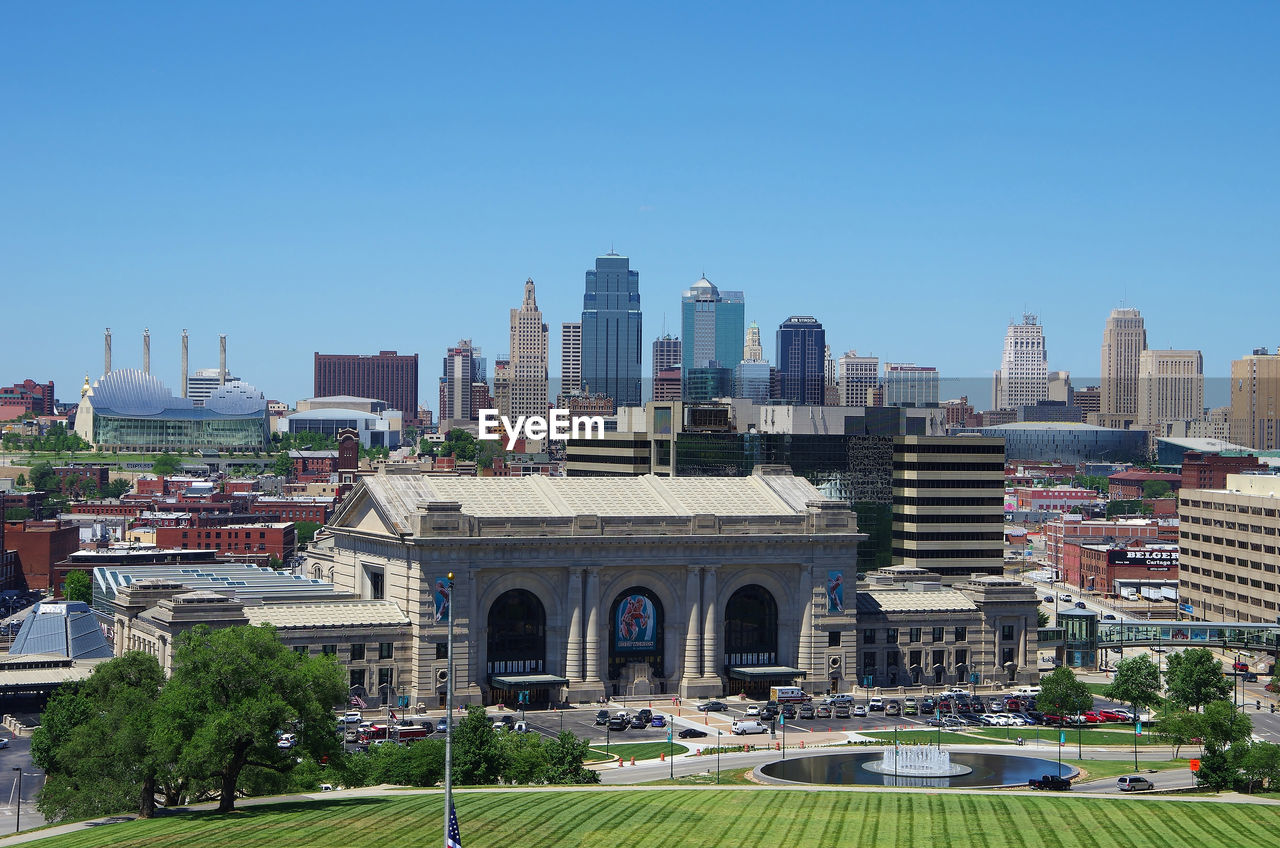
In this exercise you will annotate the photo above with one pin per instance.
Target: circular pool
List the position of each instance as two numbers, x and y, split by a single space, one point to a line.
849 769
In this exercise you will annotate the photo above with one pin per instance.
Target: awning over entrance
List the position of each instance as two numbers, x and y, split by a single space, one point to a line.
765 672
516 681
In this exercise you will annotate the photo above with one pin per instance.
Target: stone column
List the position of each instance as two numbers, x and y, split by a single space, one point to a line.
693 633
710 632
806 637
593 625
573 654
470 636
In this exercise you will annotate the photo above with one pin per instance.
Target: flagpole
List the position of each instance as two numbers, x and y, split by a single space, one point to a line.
448 733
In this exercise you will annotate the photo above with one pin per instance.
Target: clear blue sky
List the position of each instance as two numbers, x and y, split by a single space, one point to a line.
349 178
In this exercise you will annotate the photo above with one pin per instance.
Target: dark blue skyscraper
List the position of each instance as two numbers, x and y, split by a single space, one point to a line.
611 331
802 359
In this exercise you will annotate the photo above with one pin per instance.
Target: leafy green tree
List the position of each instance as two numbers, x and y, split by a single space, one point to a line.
231 691
1136 682
1217 772
95 743
1156 488
525 757
478 754
1259 765
21 482
282 465
116 488
166 465
43 478
1177 727
305 531
1127 508
1062 694
1224 724
1042 618
1091 481
1194 678
77 587
565 757
17 513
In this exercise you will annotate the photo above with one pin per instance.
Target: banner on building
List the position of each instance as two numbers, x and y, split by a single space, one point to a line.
441 595
636 627
835 591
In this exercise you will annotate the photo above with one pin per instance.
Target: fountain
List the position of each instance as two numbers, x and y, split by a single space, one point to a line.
917 761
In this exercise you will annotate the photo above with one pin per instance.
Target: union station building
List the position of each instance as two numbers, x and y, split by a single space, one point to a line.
575 588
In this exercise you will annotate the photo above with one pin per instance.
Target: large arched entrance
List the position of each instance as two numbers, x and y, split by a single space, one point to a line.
636 662
751 637
516 647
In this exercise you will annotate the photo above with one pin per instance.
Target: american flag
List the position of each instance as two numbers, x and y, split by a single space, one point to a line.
453 839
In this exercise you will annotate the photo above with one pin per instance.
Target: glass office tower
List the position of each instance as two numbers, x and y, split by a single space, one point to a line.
802 360
611 347
712 324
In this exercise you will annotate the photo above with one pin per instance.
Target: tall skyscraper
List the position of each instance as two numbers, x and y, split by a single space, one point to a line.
570 358
1170 387
388 377
1255 400
859 379
1123 340
712 326
461 370
752 350
611 330
502 386
528 357
907 384
667 353
1023 378
801 362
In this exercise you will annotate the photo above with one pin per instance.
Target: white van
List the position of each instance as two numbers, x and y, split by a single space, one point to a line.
1028 691
742 728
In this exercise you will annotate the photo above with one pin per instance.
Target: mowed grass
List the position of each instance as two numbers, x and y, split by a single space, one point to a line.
1099 769
639 750
710 819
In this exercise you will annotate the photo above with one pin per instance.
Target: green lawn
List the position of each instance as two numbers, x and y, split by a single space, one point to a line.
1115 768
925 737
639 750
1088 736
708 818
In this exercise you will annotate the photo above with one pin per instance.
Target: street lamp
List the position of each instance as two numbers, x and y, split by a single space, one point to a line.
718 735
448 735
17 828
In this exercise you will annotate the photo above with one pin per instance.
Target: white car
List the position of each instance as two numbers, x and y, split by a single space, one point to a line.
352 717
753 710
287 740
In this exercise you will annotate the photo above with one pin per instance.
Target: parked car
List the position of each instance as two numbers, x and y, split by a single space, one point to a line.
860 711
442 725
953 722
927 705
892 708
742 728
616 724
1092 717
521 727
602 717
351 735
823 711
806 711
936 722
991 719
507 722
1113 715
840 699
646 714
1133 782
789 711
287 740
876 704
639 723
352 717
692 733
842 711
753 709
910 706
971 719
713 707
1050 781
658 721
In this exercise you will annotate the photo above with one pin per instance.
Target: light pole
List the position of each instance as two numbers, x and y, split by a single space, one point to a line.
718 734
17 828
448 733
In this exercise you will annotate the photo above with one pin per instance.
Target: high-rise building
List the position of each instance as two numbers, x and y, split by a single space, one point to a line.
1123 340
801 360
388 377
908 384
712 325
528 357
1170 387
1023 377
570 358
752 350
1089 399
666 385
34 397
1060 386
611 330
859 379
666 354
203 382
1255 400
460 371
1218 577
751 380
502 386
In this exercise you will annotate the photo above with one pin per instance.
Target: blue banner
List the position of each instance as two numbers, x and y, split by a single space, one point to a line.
441 595
835 591
636 627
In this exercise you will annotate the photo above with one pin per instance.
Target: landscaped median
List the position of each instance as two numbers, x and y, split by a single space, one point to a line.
638 750
709 818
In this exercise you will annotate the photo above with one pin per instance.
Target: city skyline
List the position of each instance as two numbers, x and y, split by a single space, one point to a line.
973 163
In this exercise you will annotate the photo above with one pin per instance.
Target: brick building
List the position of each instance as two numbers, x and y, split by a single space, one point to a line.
1129 485
1072 528
83 478
1210 470
33 397
253 542
39 545
388 377
1098 567
1056 498
317 510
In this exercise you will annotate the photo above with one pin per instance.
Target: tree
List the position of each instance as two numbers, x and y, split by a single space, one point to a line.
77 587
478 756
1260 765
1062 694
1137 682
1177 727
95 742
1194 678
1127 508
1156 489
43 478
116 488
21 482
1042 618
17 513
565 756
1216 772
166 465
231 691
282 465
1225 725
305 531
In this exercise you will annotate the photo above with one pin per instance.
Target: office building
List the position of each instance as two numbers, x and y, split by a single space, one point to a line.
388 376
1170 387
859 379
570 358
948 504
528 361
667 385
712 325
907 384
461 370
32 397
666 354
1255 400
204 382
801 344
1088 399
1023 377
1067 442
752 350
611 331
1123 340
1228 541
751 380
502 386
1060 387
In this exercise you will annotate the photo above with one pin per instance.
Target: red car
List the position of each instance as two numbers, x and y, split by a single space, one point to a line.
1092 718
1240 666
1111 715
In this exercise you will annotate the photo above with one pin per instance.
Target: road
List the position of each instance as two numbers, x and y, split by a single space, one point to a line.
18 756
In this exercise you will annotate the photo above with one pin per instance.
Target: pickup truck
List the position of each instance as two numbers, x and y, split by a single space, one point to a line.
1049 781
